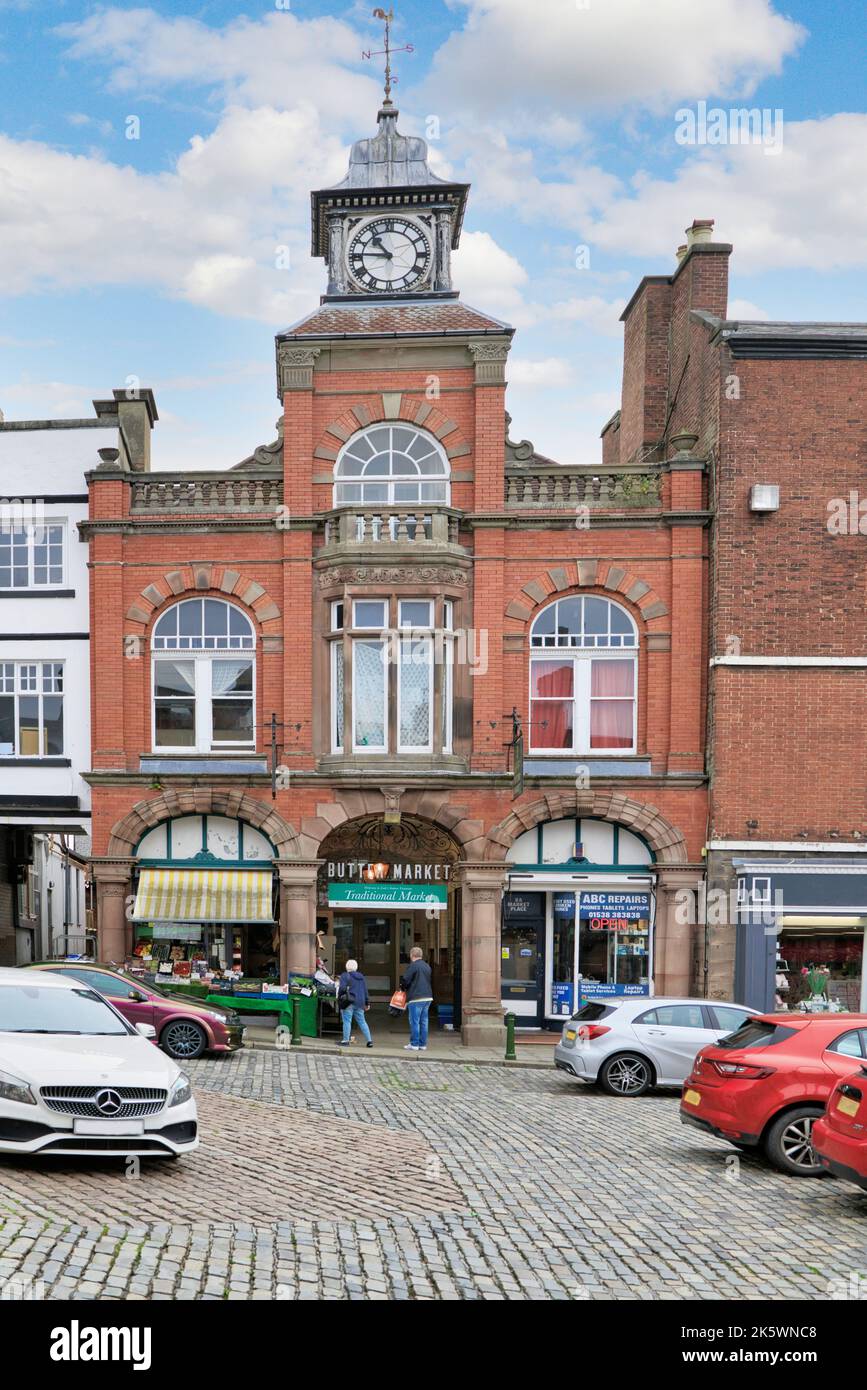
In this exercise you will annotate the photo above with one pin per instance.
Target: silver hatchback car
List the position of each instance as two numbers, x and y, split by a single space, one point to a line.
629 1045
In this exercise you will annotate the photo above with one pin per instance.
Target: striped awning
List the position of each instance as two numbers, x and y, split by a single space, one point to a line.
203 895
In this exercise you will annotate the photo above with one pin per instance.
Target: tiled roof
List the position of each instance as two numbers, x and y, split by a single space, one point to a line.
425 316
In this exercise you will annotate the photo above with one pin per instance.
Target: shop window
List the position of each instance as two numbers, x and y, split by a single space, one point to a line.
581 700
204 699
392 466
400 651
31 709
32 557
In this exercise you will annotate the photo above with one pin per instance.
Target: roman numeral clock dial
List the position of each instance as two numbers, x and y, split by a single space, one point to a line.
390 254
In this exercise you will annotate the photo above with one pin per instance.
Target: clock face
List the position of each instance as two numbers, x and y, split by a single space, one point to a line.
390 253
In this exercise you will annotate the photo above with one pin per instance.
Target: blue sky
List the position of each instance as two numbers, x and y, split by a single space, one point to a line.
155 257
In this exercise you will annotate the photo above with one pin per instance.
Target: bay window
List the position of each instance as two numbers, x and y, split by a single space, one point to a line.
31 709
204 694
583 689
392 675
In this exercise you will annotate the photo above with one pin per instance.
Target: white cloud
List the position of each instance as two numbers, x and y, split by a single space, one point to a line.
258 62
799 208
491 278
545 372
548 61
745 309
207 231
600 315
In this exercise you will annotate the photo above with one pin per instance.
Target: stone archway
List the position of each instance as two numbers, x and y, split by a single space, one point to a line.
673 970
237 805
666 841
113 872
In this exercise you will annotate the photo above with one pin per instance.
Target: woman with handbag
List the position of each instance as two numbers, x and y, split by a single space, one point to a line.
353 1001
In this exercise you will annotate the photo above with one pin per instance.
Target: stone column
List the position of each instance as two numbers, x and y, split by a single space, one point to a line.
297 916
675 932
114 931
482 886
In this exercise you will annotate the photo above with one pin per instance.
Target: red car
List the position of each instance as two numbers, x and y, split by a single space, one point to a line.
185 1027
840 1135
767 1083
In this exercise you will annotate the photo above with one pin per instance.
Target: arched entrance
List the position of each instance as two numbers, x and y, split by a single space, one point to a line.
385 885
589 908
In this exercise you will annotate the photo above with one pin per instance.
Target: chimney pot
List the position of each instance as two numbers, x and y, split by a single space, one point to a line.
681 252
701 230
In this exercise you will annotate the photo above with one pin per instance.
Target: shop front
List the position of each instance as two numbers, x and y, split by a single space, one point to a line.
576 928
383 889
204 901
801 934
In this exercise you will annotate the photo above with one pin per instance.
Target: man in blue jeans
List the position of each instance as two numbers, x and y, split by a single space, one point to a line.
419 997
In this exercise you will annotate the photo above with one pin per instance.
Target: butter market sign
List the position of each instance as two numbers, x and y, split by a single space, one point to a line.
406 885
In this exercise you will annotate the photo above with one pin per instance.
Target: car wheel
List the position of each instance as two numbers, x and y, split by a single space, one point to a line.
789 1143
626 1075
183 1040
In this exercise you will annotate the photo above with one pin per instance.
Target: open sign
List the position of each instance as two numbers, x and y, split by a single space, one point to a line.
609 924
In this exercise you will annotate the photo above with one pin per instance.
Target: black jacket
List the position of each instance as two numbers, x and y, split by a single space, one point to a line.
417 982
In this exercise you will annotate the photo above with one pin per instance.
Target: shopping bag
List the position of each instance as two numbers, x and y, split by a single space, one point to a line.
398 1001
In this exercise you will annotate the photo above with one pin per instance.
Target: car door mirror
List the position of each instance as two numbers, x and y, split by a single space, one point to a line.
146 1030
134 997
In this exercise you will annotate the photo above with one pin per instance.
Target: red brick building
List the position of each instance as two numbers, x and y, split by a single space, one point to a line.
307 671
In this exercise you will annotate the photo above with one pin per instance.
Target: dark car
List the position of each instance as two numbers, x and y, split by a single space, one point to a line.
185 1028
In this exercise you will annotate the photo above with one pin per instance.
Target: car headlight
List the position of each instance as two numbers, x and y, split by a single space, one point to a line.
181 1092
219 1018
13 1088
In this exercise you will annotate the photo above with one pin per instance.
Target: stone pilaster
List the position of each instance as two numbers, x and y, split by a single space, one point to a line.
297 916
675 934
114 929
482 897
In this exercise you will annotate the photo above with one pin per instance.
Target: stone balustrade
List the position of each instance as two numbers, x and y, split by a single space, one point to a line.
565 488
224 493
378 527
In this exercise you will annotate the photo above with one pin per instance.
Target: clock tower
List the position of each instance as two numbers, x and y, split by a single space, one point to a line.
388 230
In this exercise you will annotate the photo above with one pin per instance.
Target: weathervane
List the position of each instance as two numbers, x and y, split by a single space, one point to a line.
388 20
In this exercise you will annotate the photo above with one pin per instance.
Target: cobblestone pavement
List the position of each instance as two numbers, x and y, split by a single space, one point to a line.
331 1177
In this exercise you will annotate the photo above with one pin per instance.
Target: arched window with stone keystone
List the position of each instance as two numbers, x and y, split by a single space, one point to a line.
393 466
204 678
583 677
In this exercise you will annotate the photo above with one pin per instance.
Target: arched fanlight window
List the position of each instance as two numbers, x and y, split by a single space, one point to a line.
583 622
391 465
583 691
204 697
203 624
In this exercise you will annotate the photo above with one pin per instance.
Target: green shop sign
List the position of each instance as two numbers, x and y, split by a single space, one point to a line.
430 895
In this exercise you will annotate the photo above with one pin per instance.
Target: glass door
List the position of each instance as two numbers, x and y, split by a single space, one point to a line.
522 951
614 943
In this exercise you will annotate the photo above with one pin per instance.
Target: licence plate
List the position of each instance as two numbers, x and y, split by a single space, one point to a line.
849 1107
124 1127
571 1034
692 1097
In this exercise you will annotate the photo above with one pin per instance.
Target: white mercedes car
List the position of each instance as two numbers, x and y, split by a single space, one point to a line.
76 1078
629 1045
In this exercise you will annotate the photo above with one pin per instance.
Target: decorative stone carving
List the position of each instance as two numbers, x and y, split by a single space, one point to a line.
490 359
411 574
295 367
266 455
517 453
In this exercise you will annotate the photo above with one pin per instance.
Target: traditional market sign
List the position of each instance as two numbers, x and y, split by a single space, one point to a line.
427 895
